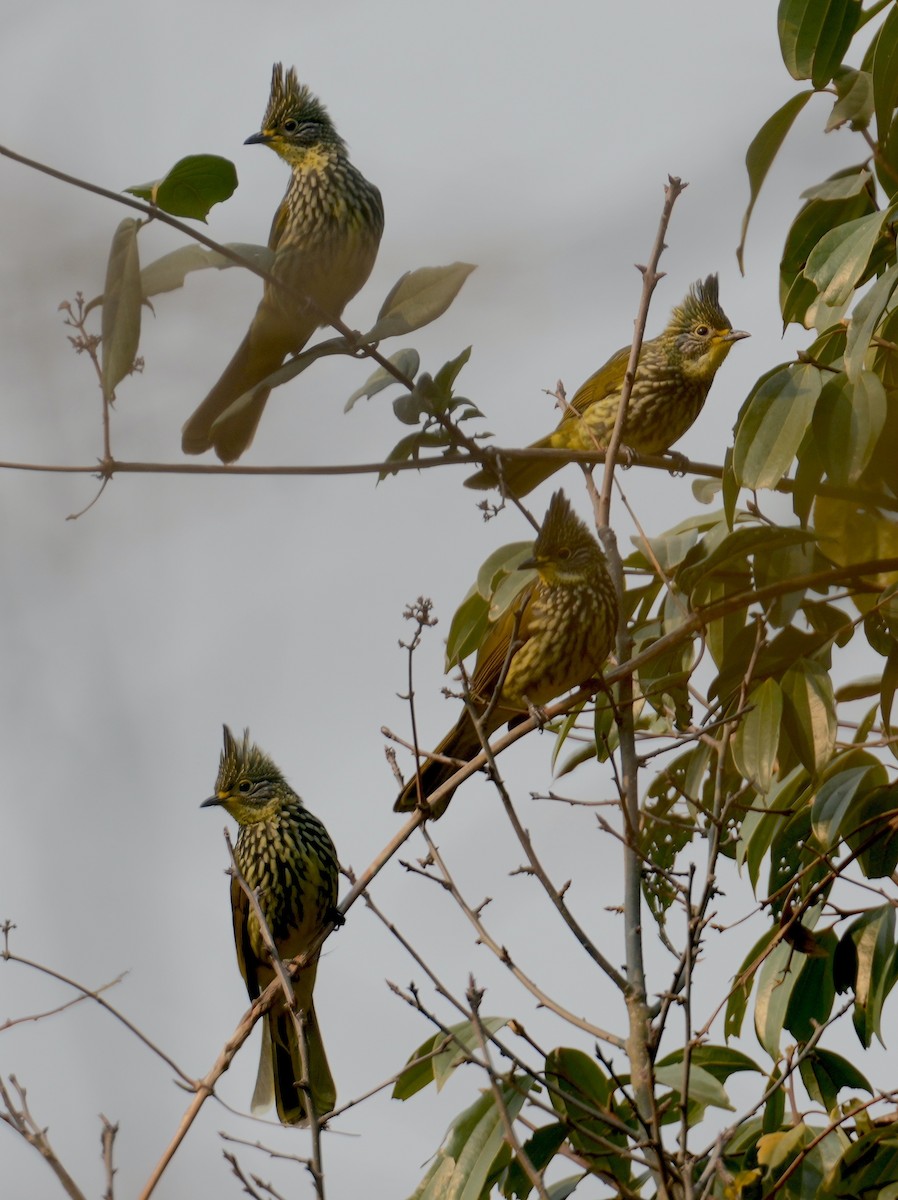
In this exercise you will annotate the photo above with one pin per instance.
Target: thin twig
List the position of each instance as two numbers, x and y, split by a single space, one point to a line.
18 1117
474 998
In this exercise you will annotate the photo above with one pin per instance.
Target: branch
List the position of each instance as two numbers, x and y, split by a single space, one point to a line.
20 1119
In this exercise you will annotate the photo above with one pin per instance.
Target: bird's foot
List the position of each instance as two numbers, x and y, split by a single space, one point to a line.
679 463
538 714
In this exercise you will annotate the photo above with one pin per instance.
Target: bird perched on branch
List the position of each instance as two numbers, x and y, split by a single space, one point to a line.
559 630
325 237
288 859
675 373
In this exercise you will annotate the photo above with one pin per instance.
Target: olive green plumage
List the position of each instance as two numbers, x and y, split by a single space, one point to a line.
325 237
564 625
287 857
675 373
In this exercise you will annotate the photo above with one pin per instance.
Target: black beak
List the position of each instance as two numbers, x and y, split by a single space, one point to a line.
210 802
257 138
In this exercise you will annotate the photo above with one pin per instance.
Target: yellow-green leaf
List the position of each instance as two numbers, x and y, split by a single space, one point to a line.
761 153
122 300
757 738
417 298
773 424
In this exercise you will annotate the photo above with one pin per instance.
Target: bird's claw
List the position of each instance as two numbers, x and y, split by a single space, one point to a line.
679 463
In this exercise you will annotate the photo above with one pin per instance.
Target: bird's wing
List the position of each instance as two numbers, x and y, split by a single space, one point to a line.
279 224
604 382
246 959
494 647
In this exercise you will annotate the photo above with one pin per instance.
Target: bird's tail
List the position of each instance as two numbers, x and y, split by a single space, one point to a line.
280 1063
259 355
462 743
519 476
280 1069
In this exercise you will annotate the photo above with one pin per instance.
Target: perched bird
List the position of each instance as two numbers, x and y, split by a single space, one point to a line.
563 627
325 237
675 373
287 857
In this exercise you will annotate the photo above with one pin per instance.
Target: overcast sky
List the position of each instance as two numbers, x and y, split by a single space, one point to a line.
533 140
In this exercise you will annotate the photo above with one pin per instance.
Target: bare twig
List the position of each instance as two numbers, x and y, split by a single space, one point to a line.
18 1117
474 998
107 1142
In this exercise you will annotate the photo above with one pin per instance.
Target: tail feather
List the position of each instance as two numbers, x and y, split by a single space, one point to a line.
519 476
280 1070
259 355
462 743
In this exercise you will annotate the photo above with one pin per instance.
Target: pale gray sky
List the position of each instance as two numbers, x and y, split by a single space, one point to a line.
532 140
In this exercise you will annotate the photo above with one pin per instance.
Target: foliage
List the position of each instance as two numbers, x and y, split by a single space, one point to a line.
740 628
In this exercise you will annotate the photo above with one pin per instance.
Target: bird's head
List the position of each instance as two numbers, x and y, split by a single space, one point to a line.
700 332
296 124
249 785
565 552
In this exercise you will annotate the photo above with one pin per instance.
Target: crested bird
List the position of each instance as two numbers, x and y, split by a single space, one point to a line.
287 858
673 378
325 236
555 636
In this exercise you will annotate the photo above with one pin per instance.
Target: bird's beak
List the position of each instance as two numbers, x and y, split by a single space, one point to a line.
211 801
258 138
529 564
735 335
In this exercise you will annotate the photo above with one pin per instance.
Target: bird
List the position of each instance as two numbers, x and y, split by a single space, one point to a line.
287 858
325 237
675 373
560 630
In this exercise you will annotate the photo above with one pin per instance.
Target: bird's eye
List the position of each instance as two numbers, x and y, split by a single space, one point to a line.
290 125
702 331
244 786
564 553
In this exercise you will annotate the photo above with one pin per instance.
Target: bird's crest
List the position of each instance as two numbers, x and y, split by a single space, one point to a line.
702 304
242 759
291 99
561 529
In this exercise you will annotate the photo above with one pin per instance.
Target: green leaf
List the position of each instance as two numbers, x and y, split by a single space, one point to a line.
855 104
578 1087
865 318
475 1139
191 187
873 936
704 1089
757 738
825 1074
773 422
407 361
885 74
835 799
122 300
812 999
875 836
441 1054
775 986
417 298
448 372
737 1003
847 423
809 713
814 35
840 186
168 273
841 256
761 153
468 628
540 1149
852 533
